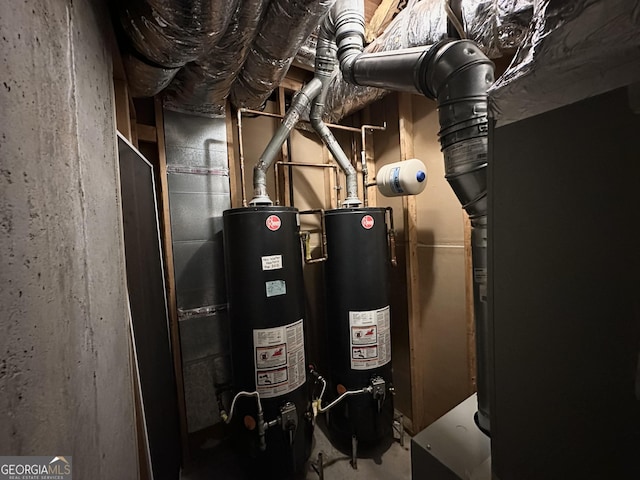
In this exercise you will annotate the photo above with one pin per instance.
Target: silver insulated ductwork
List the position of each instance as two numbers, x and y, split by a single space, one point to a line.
457 74
286 25
203 86
167 34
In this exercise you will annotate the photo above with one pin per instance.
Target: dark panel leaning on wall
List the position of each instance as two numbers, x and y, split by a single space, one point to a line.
198 178
149 311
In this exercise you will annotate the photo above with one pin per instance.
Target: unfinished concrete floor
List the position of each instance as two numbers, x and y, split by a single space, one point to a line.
391 462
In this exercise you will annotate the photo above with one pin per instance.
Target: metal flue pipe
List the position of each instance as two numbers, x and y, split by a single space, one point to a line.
456 74
298 105
324 66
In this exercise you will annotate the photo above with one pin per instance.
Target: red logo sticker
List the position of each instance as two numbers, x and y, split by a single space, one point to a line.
367 222
273 222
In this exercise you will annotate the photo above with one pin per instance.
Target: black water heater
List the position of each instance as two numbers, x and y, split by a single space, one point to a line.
266 311
358 322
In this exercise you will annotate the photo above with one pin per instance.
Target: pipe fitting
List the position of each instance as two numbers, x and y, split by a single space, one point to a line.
347 17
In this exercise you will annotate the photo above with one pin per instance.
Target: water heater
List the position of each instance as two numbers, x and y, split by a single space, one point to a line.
359 323
266 312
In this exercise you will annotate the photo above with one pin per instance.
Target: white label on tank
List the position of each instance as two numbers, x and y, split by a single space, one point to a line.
394 177
370 338
275 288
272 262
279 359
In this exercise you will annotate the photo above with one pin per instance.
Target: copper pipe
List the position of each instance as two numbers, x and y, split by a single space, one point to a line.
277 115
277 184
307 239
241 152
316 165
363 157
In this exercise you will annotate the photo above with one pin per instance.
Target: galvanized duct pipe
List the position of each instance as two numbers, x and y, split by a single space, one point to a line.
299 104
286 25
457 74
204 85
324 66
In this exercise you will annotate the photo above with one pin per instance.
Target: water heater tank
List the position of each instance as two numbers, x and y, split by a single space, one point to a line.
266 311
358 322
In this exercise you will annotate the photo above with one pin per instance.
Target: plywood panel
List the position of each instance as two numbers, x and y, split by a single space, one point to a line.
387 149
439 211
441 329
256 133
308 182
442 295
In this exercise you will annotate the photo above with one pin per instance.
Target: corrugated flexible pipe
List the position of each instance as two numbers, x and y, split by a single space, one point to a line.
298 105
456 74
325 63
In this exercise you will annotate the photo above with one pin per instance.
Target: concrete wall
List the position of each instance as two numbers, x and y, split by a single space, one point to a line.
65 383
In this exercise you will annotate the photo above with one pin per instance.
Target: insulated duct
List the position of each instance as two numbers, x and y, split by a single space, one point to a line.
457 74
498 26
166 34
203 86
146 80
286 25
171 33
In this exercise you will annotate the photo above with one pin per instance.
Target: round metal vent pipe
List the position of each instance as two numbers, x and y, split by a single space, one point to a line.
457 75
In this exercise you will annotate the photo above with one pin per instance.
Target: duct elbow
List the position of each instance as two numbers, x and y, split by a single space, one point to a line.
455 68
458 75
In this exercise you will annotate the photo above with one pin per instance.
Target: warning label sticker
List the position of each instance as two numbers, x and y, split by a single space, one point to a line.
370 338
267 357
272 262
364 335
268 378
364 352
279 359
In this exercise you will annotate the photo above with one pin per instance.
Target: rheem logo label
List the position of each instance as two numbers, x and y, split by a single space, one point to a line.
367 222
273 222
